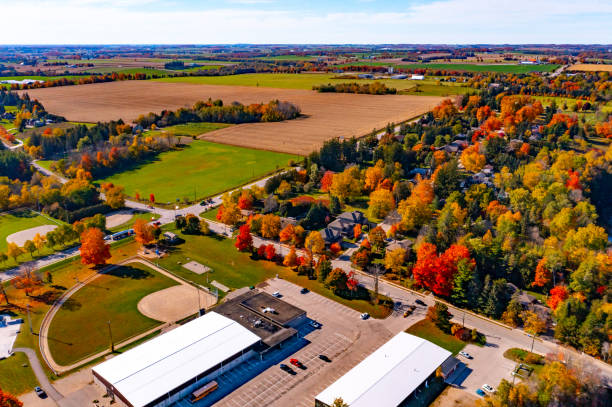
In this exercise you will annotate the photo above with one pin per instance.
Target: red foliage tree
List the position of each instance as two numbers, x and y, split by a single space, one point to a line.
573 182
558 294
152 198
94 249
270 252
244 240
542 274
335 248
351 282
8 400
437 272
326 181
245 201
261 251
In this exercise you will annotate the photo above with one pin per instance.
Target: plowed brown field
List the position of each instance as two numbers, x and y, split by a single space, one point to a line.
591 67
326 115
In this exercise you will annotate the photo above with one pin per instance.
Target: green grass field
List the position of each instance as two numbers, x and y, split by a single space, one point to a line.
427 330
17 221
80 327
201 169
235 269
16 374
505 68
308 80
187 129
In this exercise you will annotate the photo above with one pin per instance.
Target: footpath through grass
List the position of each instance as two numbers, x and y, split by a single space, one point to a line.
80 328
199 170
235 269
427 330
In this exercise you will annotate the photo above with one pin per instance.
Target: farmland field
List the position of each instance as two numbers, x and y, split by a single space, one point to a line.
325 115
505 68
591 67
285 81
201 169
187 129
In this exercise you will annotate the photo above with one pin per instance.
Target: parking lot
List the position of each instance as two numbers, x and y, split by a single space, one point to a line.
262 383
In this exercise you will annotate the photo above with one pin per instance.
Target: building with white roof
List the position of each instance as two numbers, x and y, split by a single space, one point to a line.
171 366
388 376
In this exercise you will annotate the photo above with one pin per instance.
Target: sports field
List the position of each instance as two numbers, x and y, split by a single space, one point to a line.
201 169
18 221
324 115
80 327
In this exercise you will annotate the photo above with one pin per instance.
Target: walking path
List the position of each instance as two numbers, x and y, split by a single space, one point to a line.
42 378
46 322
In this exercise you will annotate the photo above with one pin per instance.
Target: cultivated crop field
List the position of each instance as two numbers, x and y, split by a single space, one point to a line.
591 67
504 68
199 170
325 115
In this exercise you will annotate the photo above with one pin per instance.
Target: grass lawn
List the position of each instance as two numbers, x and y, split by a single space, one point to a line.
427 330
210 214
16 375
80 327
199 170
21 220
187 129
533 360
308 80
235 270
64 274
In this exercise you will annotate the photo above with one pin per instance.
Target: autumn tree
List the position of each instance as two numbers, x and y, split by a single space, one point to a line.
416 209
439 315
326 181
395 259
445 110
245 201
26 280
14 251
377 237
152 198
543 275
357 231
287 234
315 243
558 294
143 232
114 194
291 258
30 247
270 252
8 400
381 203
270 226
39 241
244 240
229 213
471 158
374 176
94 249
346 184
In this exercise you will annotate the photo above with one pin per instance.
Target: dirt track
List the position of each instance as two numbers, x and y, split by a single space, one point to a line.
326 115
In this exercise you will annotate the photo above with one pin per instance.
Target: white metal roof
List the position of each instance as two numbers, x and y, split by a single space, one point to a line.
162 364
389 375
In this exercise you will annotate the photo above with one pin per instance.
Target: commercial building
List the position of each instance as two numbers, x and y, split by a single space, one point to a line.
389 376
173 365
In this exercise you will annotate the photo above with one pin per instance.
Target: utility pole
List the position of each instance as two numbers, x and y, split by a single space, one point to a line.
199 303
110 336
30 319
532 342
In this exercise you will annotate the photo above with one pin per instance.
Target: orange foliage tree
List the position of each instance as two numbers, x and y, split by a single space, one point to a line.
244 240
558 294
94 249
144 232
326 181
543 275
8 400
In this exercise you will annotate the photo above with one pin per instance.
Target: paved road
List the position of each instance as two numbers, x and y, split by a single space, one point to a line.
42 378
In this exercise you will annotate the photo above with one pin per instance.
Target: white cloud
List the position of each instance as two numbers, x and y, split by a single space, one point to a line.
445 21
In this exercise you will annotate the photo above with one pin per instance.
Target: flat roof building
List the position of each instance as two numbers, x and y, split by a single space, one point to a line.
169 367
388 376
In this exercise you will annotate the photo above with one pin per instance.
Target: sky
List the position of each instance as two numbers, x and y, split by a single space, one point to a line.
306 21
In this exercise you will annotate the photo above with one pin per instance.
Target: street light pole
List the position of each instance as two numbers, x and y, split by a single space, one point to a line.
30 319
